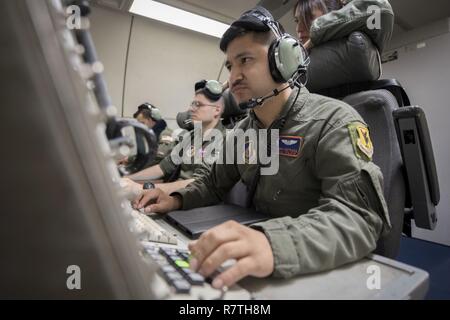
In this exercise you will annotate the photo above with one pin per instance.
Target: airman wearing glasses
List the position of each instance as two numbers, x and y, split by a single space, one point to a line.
206 108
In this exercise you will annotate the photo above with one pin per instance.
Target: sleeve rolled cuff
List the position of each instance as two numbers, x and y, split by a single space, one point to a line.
286 262
189 199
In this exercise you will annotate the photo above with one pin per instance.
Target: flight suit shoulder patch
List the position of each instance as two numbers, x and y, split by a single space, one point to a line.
362 144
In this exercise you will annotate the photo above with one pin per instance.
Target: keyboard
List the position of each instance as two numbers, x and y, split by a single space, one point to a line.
150 230
174 267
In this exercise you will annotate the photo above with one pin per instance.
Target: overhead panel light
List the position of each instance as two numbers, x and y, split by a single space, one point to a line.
162 12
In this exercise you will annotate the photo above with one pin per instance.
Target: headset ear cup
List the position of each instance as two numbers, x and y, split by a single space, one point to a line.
276 75
214 89
289 57
303 69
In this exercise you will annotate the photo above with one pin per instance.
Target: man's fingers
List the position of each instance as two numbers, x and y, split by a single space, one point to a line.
226 251
156 208
147 197
241 269
162 204
137 200
212 239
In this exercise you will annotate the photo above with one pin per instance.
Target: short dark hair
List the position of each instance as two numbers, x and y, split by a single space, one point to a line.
308 6
146 113
145 110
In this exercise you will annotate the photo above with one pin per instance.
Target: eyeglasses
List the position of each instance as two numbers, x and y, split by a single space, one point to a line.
198 104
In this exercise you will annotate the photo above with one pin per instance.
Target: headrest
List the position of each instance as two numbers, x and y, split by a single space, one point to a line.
231 110
375 18
343 61
184 120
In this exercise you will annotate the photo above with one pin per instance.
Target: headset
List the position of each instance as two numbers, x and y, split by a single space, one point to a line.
212 89
155 113
288 59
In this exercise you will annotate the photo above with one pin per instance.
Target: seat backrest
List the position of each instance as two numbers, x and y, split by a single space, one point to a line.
335 63
348 69
376 107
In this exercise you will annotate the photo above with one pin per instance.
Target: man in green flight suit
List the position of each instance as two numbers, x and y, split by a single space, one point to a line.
326 200
150 116
206 110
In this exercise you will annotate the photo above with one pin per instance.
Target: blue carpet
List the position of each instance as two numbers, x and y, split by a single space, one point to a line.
431 257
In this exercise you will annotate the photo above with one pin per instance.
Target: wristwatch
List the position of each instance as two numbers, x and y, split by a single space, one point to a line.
148 185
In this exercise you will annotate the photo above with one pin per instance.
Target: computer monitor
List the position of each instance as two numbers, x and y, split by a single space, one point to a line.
64 229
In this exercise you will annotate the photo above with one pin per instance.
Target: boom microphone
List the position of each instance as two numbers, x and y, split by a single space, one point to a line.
253 102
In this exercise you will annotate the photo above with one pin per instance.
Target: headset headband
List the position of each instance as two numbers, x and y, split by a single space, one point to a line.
212 89
155 113
269 22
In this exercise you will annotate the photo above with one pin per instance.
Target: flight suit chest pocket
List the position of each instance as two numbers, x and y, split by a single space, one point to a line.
291 170
290 181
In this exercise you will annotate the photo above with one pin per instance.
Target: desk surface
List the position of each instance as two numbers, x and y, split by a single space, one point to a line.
397 280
